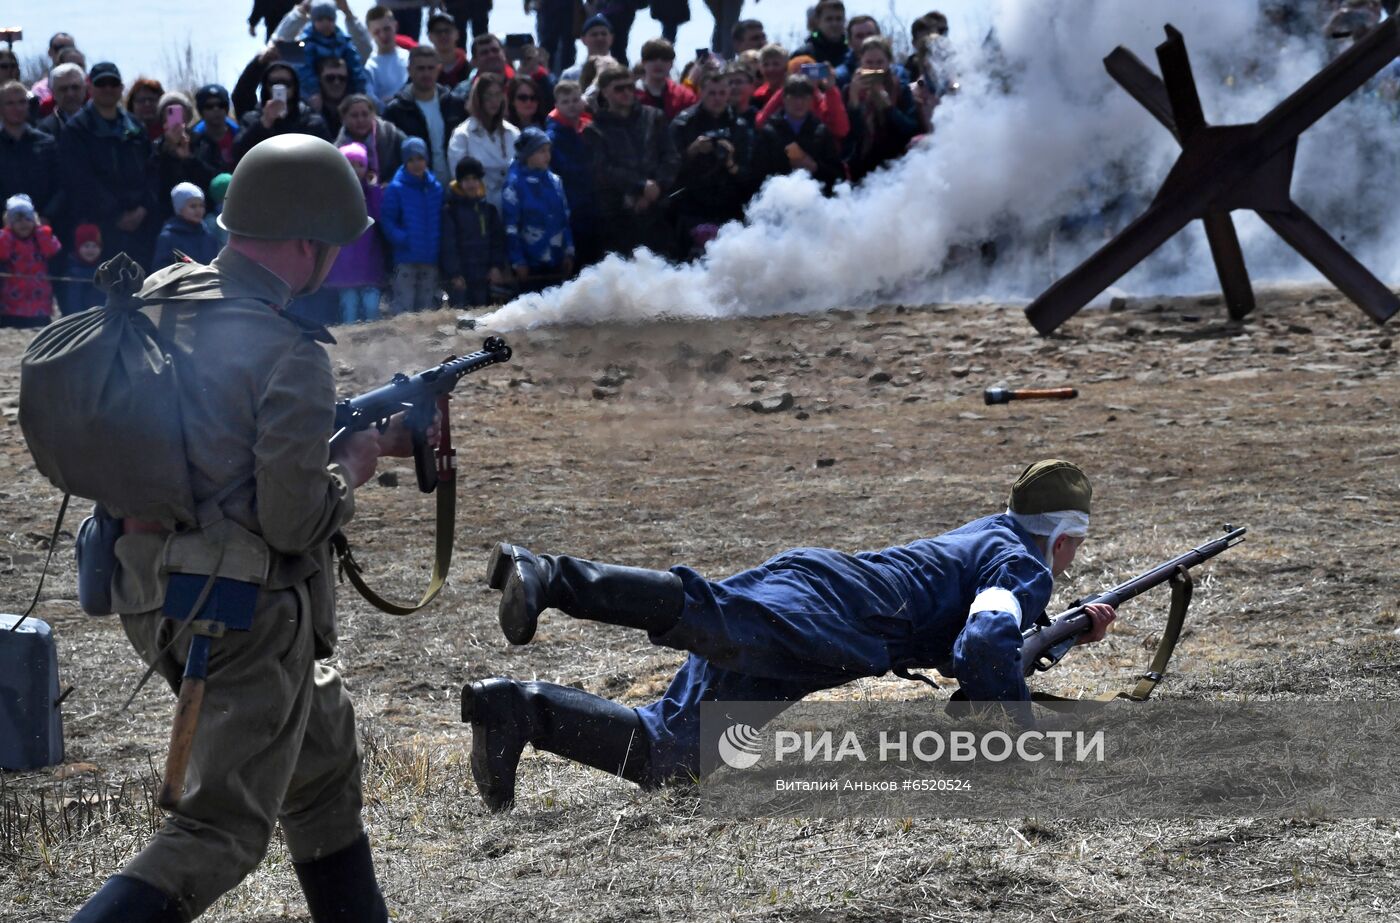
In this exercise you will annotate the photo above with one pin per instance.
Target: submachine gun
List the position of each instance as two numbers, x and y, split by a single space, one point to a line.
419 397
1044 644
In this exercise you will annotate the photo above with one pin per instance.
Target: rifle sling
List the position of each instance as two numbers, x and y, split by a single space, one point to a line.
443 531
1181 585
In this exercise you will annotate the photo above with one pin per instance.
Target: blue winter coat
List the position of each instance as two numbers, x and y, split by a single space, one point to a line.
191 239
572 161
536 215
411 215
335 45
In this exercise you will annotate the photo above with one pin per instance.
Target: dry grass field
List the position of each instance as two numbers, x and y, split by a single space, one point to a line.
641 444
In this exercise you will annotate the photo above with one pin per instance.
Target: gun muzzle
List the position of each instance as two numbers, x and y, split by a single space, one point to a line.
1007 395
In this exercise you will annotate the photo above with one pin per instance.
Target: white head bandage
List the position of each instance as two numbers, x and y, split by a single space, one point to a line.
1065 522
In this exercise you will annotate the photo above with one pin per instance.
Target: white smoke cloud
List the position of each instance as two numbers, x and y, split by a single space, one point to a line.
1007 167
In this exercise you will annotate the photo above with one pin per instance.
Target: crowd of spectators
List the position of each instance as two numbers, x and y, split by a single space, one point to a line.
491 167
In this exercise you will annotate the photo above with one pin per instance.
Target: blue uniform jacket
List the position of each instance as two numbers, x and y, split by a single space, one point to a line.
958 601
536 215
411 216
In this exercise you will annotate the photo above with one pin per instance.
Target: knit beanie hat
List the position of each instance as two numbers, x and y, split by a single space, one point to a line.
19 206
175 96
87 234
531 139
323 9
355 153
469 166
218 188
414 147
181 195
594 21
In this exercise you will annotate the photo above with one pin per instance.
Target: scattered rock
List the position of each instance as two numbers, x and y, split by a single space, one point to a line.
1209 301
1190 318
1300 329
961 371
601 393
770 404
825 462
877 378
466 323
388 478
1282 349
1383 343
802 415
1118 304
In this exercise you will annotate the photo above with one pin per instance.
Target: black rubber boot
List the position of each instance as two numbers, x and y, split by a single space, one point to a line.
341 887
633 597
130 900
586 728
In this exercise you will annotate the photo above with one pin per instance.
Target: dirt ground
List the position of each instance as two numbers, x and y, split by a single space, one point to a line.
641 445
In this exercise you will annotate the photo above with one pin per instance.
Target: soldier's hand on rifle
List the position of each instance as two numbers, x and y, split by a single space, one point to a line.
358 453
397 439
1102 615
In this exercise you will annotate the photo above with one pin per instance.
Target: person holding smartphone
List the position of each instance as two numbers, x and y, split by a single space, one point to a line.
881 129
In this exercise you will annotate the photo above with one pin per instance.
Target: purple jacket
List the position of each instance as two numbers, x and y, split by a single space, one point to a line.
362 262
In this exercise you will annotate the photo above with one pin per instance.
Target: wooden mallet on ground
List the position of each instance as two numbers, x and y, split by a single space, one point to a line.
1007 395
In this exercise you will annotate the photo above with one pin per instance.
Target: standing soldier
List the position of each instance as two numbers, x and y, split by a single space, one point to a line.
808 619
276 741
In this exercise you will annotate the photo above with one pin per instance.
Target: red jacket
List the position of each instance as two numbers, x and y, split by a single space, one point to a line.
674 100
26 291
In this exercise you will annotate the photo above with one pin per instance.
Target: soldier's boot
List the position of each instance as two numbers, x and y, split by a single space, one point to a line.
629 596
124 899
506 715
341 887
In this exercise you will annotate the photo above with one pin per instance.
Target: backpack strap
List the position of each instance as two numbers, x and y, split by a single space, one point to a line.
48 559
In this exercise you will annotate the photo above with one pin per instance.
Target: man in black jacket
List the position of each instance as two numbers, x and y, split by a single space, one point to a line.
795 139
634 164
282 112
421 99
28 157
716 173
104 156
827 45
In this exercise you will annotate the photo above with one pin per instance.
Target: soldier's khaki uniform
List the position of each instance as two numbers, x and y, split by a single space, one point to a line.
276 739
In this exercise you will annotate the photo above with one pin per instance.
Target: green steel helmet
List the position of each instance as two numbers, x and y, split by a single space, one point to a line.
295 187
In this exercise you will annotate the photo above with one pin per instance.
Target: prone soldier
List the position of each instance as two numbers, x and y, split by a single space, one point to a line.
277 740
808 619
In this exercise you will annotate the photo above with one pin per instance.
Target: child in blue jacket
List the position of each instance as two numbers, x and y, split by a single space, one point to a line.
539 243
322 38
411 215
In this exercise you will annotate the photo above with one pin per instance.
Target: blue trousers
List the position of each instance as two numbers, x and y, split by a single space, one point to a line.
773 634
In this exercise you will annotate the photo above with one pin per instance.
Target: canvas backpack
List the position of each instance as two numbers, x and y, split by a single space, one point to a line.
99 406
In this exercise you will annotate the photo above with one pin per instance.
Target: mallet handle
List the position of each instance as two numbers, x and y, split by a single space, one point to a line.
1043 394
181 741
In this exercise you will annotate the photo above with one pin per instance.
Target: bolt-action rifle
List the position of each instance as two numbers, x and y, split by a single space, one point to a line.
1043 645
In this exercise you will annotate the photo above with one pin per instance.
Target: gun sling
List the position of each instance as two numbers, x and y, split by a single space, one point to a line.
1181 585
444 531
